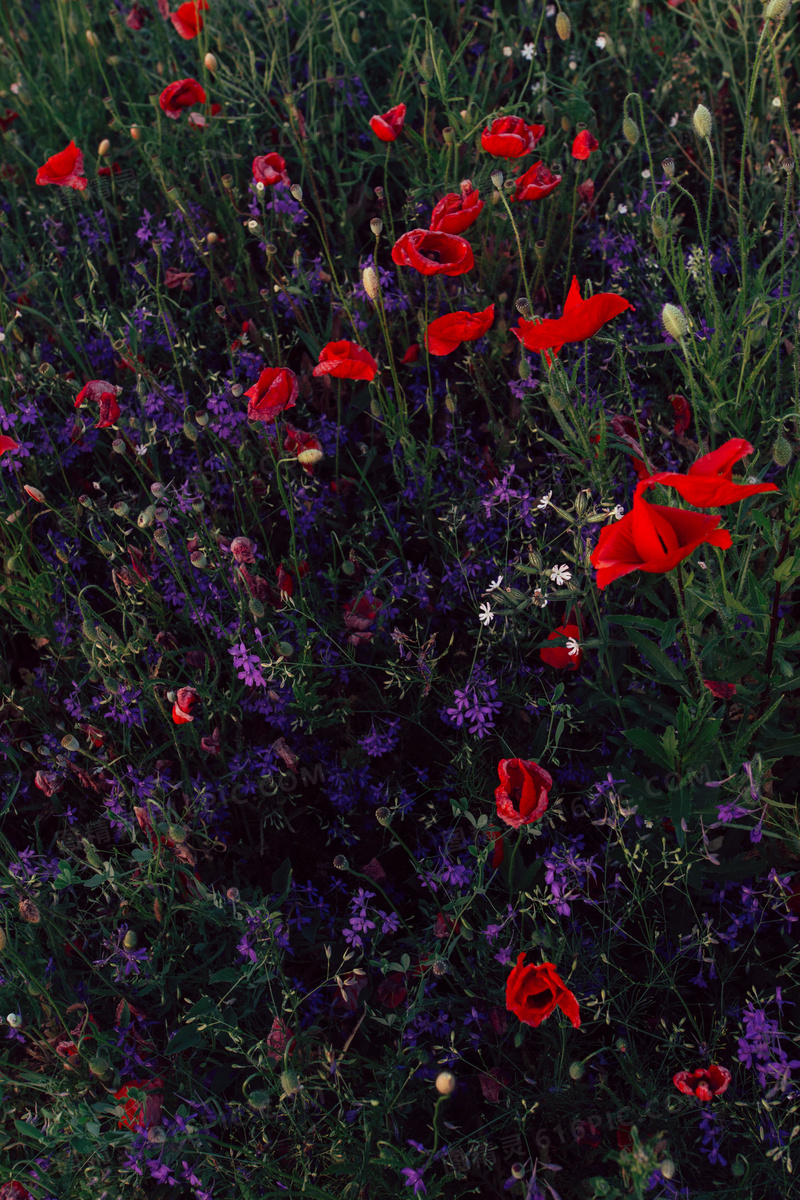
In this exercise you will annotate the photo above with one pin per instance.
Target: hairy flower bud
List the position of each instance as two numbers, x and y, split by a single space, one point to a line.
369 278
576 1070
630 131
782 451
702 121
777 9
659 226
548 112
563 26
445 1083
674 321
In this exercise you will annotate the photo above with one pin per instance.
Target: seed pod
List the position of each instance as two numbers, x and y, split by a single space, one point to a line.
548 112
782 452
497 178
577 1070
659 226
297 192
630 131
256 608
340 863
563 26
376 225
198 560
369 278
566 124
674 321
702 121
668 167
290 1083
383 816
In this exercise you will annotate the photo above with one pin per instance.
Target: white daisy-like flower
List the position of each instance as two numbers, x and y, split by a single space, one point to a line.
528 50
573 647
543 503
646 173
485 614
622 208
560 574
600 42
494 586
507 51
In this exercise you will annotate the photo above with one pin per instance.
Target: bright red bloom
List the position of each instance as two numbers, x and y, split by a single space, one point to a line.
565 658
103 394
510 137
446 333
270 169
532 993
580 320
709 482
141 1116
275 391
456 212
705 1083
346 360
64 169
389 126
298 442
683 414
177 96
653 538
522 795
537 182
7 443
432 252
188 18
584 144
185 701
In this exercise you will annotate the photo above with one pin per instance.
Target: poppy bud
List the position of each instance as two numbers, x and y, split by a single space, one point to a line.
189 431
3 939
256 607
788 165
566 124
630 131
702 120
210 62
29 911
426 66
739 1166
309 457
781 452
130 940
450 402
668 167
445 1083
667 1168
135 132
674 321
659 226
212 238
497 178
376 225
120 508
297 192
355 36
577 1070
524 371
563 26
369 279
548 112
92 38
34 493
104 148
290 1083
777 9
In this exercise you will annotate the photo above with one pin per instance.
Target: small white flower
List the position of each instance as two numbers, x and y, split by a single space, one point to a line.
528 50
507 51
776 101
494 586
535 86
600 42
573 66
646 173
622 208
573 647
560 574
617 513
543 503
2 337
260 187
673 121
703 566
485 614
551 10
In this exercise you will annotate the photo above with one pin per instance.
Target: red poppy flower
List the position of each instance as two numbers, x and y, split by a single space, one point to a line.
359 616
580 320
275 391
270 169
584 144
179 95
7 443
565 658
510 137
346 360
705 1083
412 353
185 701
653 538
389 126
103 394
114 169
586 192
141 1116
432 252
135 18
456 212
279 1037
14 1191
64 169
300 443
199 121
683 414
537 182
492 1084
446 333
709 482
532 993
188 19
498 853
285 582
522 795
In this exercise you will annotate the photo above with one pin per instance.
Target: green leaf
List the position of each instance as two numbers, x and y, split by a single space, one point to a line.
184 1039
647 742
226 975
281 876
664 667
28 1130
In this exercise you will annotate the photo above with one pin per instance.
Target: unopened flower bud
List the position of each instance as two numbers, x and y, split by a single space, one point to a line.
524 371
577 1070
100 1067
14 1020
256 607
668 167
566 124
667 1168
450 402
659 226
630 131
781 452
563 26
376 225
369 278
3 939
517 1170
92 38
290 1083
702 121
445 1083
130 940
104 148
739 1166
426 65
548 112
497 178
210 62
252 225
309 457
34 493
212 238
297 192
674 321
777 9
135 132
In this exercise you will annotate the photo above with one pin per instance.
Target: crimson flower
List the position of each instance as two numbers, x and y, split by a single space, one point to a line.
653 538
275 391
584 144
185 701
135 18
446 333
456 212
522 795
279 1038
412 353
346 360
8 120
270 169
14 1191
188 19
432 252
389 126
359 616
103 394
7 443
565 658
720 691
510 137
580 320
683 414
709 482
64 169
532 993
537 182
704 1083
177 96
141 1116
307 448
